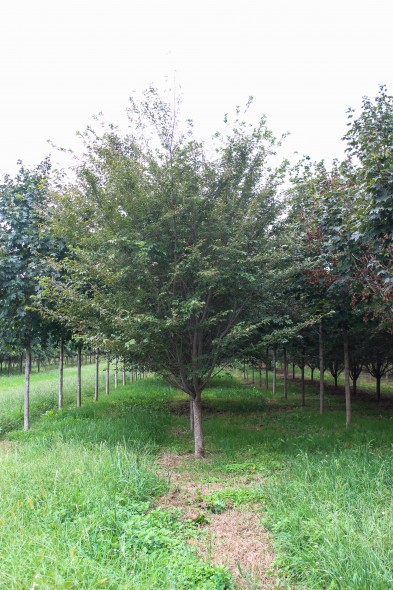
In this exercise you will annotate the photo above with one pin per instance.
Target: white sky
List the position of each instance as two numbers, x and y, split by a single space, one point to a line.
304 61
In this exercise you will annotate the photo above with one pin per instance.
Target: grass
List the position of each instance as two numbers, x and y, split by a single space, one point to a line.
79 491
43 394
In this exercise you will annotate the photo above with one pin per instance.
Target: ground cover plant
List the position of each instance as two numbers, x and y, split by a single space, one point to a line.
81 491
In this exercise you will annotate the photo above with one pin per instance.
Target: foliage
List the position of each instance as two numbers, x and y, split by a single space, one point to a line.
171 243
24 246
370 148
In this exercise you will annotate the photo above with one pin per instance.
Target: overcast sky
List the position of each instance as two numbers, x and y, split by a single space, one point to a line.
304 61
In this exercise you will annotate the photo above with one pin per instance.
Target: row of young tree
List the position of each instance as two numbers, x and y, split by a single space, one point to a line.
180 256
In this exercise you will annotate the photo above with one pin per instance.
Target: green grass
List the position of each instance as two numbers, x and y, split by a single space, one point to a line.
43 394
78 492
78 495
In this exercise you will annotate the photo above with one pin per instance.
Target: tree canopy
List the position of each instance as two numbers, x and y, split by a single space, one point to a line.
172 242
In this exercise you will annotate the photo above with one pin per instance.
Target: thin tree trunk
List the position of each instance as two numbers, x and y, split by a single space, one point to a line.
97 380
26 409
116 373
274 371
79 382
348 415
378 388
198 434
354 382
21 364
267 370
312 375
61 373
253 373
293 371
107 373
260 375
38 365
321 369
244 370
124 373
285 374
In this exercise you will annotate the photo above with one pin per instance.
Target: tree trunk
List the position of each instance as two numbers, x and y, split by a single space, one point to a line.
354 382
312 375
244 370
21 364
274 371
79 382
260 376
38 364
198 434
335 381
285 374
97 380
253 373
61 373
107 373
124 373
321 369
378 387
26 410
293 371
348 415
116 373
267 370
303 379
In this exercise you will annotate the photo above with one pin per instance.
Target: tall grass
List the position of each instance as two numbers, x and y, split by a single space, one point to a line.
332 518
43 394
77 499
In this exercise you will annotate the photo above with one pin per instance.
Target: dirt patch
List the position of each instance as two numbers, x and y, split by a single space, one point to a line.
234 537
170 461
